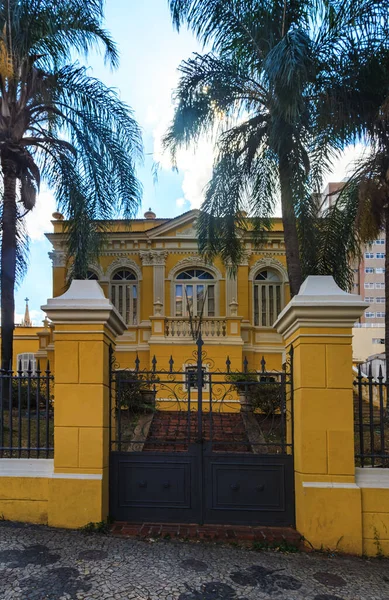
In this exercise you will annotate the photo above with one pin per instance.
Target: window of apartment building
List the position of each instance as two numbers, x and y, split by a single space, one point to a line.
369 270
268 298
369 315
369 299
380 285
25 362
380 255
369 286
378 341
380 315
369 254
380 299
124 295
380 270
195 293
380 242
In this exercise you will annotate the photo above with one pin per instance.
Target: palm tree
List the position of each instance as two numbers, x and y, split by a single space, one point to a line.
61 126
256 93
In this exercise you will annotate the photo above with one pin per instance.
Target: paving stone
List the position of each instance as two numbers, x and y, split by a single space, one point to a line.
39 563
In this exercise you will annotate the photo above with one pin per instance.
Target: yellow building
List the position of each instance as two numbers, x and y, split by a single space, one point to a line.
151 268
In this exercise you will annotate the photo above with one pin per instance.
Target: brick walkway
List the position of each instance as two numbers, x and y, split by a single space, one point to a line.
217 533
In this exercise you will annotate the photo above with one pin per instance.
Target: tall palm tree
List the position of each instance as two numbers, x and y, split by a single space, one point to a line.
61 126
256 93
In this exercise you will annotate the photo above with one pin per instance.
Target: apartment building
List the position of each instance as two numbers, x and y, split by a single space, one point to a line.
369 282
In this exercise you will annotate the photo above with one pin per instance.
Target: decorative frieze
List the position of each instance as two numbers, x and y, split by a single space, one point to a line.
153 257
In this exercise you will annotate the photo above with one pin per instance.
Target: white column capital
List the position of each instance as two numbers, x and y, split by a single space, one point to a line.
320 303
84 302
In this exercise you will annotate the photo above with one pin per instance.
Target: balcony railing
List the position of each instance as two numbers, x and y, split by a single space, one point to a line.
212 327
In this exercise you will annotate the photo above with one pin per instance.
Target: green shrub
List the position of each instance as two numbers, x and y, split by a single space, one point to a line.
136 392
264 396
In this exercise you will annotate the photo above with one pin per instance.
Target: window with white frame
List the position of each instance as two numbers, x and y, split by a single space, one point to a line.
369 299
369 254
380 315
124 295
191 382
378 341
380 299
26 362
195 293
379 285
380 270
369 315
369 269
380 255
369 286
268 298
379 242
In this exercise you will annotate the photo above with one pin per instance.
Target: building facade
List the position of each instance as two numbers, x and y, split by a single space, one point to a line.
152 272
369 283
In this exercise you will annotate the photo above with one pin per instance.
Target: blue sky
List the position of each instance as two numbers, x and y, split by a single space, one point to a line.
150 53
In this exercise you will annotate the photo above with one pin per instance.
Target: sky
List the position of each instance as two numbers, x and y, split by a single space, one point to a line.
150 51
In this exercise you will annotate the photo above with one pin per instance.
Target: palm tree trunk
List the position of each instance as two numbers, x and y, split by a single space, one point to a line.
292 251
386 291
8 261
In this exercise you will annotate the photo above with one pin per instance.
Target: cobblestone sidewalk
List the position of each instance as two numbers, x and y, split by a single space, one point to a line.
37 563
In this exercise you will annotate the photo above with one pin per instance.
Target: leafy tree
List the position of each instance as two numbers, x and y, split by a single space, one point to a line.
257 92
61 126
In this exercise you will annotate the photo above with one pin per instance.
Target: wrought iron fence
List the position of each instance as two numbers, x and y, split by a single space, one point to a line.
371 418
26 412
228 411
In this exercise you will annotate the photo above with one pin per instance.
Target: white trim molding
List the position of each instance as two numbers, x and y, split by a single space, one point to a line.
122 263
372 478
268 263
38 468
191 262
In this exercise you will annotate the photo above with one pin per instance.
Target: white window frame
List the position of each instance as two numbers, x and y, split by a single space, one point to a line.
24 358
369 270
380 255
368 285
195 282
266 285
122 286
380 270
380 315
369 254
380 285
369 315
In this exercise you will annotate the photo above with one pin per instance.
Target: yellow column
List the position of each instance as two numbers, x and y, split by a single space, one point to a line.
85 325
318 322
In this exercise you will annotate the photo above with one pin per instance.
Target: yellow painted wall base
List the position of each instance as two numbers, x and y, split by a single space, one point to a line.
66 503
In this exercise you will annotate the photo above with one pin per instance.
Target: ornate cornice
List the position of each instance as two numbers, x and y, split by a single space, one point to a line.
153 257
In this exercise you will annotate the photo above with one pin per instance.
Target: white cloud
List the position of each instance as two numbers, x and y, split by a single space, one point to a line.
36 316
38 220
180 202
345 165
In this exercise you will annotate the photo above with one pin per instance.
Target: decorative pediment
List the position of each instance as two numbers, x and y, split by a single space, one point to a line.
191 262
184 226
268 262
122 263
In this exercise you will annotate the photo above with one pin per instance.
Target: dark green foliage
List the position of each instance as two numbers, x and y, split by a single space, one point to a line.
264 396
282 91
136 392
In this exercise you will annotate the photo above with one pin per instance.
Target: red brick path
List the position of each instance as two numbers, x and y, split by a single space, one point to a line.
170 431
215 533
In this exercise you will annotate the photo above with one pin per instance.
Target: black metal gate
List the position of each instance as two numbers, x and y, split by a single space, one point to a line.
198 445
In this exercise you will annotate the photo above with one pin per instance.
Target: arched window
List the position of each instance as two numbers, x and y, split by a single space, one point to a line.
268 297
91 275
194 292
124 295
26 361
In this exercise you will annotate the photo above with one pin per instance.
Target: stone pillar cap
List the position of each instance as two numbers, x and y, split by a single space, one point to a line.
84 301
320 303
